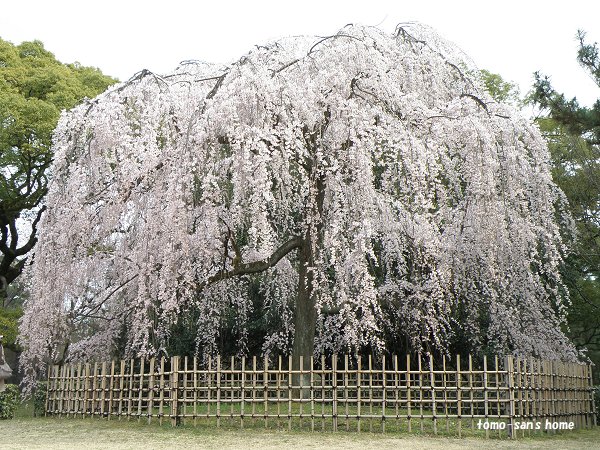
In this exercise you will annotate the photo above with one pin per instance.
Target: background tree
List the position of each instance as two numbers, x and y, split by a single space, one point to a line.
573 134
363 186
34 88
500 89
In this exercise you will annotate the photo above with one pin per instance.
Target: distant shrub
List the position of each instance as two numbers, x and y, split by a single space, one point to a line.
9 400
9 326
39 399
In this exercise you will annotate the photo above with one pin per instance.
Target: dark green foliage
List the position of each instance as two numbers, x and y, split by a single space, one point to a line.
9 326
34 88
39 399
573 134
9 400
260 322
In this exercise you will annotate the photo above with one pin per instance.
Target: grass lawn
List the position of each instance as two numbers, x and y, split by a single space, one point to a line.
26 432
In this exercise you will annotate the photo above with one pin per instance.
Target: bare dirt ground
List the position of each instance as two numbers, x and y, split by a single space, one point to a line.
55 433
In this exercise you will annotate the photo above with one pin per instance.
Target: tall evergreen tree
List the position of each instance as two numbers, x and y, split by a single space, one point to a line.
573 134
34 88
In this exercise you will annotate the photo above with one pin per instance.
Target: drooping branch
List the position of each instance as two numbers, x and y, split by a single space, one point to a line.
230 238
311 50
96 307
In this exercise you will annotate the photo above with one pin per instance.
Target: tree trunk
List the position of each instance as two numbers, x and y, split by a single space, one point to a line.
305 319
304 325
305 314
3 291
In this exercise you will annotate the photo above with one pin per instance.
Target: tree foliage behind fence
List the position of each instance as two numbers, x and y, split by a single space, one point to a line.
397 393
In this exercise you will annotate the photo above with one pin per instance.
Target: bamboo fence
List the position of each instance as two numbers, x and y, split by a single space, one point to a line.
502 396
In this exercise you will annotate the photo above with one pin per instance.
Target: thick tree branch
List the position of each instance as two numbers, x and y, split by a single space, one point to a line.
477 100
14 235
216 87
33 237
3 238
256 266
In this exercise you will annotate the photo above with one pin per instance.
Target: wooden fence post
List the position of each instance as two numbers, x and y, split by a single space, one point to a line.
510 384
312 393
130 393
592 394
150 399
86 390
334 400
383 398
346 393
183 402
432 386
175 406
121 389
266 390
50 371
103 392
161 389
141 388
408 393
396 389
254 380
471 390
218 390
111 389
289 388
445 388
420 366
278 388
459 396
485 394
195 389
323 392
370 394
61 388
553 390
358 389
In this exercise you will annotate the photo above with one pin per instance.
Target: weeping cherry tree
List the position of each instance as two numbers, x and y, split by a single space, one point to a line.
365 182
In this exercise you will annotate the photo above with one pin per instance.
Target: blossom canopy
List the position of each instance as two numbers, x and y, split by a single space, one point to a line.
365 182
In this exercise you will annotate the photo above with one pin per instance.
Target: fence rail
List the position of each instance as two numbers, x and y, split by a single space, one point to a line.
503 395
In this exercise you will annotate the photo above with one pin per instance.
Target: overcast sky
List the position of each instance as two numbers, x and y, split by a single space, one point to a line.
511 37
